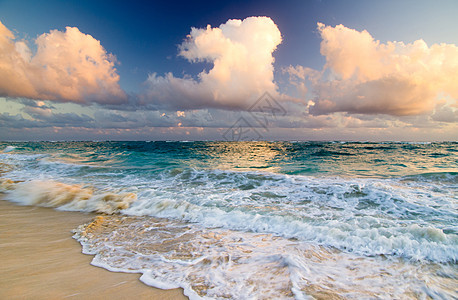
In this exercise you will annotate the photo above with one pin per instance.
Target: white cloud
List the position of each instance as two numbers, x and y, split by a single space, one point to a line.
366 88
364 76
68 66
241 54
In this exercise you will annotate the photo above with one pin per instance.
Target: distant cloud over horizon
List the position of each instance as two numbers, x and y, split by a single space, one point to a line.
68 66
364 76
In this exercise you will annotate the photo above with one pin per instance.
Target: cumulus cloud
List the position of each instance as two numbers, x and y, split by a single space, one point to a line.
364 76
241 54
67 66
444 113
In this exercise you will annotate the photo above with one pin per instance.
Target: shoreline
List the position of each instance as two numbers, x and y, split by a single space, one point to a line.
41 260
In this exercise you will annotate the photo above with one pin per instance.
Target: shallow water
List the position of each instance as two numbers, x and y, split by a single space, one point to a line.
257 219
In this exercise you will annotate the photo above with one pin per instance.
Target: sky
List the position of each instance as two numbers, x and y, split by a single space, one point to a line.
229 70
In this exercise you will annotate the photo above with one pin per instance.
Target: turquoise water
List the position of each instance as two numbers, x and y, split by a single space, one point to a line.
257 220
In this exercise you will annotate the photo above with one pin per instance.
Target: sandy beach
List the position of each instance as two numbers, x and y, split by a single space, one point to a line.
41 260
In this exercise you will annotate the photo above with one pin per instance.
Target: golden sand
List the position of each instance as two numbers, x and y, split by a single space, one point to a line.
40 260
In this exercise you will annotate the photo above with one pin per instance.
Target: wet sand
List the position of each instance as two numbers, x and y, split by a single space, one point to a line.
41 260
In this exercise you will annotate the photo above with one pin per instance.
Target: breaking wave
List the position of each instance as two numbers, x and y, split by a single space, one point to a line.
65 196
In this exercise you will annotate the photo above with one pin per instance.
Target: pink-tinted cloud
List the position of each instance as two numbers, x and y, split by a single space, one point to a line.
241 54
363 75
68 66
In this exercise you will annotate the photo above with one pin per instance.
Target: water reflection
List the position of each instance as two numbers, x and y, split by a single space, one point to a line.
244 156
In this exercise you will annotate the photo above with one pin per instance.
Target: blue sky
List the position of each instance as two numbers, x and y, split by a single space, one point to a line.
148 38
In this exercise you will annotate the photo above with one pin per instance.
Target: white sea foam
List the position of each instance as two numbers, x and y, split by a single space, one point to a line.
65 196
362 216
9 149
367 217
220 263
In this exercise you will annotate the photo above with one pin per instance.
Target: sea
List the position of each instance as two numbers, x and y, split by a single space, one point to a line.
256 220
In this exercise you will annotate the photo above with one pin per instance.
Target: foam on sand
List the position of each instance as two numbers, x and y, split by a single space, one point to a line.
219 263
40 260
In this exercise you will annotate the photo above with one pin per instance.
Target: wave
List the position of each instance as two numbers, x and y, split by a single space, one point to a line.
9 149
411 216
65 196
254 220
325 153
441 177
220 263
365 217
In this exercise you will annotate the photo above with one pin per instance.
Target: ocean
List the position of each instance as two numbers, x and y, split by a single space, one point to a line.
256 220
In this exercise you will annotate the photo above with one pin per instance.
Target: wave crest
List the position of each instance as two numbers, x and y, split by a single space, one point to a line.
63 196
